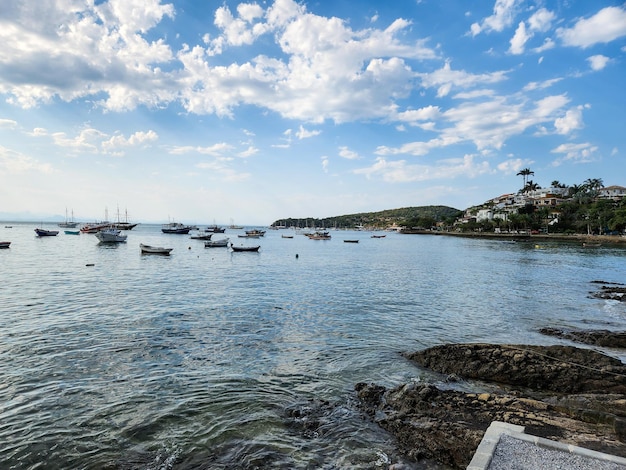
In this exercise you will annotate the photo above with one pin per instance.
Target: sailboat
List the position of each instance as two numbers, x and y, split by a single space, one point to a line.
69 223
123 225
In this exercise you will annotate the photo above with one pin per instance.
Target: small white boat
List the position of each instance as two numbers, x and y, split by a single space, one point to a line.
236 248
216 243
111 235
156 250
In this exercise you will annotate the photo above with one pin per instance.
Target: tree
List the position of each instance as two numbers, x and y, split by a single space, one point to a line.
525 173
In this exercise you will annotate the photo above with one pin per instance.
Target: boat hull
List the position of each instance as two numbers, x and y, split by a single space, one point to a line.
154 250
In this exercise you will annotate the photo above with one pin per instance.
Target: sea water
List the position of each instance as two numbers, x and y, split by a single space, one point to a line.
212 359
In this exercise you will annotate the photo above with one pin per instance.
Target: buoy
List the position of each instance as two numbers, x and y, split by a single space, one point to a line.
297 256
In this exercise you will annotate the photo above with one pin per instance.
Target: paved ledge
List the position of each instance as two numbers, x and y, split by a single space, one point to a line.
560 455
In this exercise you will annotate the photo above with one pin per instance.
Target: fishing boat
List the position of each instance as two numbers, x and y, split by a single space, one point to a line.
255 233
216 243
5 244
46 233
319 236
176 228
72 232
202 236
215 229
155 250
244 248
111 235
95 227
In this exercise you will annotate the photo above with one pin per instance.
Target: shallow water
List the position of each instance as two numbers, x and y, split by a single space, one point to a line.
213 359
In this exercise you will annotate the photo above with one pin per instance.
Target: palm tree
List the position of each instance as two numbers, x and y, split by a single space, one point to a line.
593 184
525 173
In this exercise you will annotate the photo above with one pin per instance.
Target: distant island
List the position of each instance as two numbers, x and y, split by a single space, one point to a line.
588 209
423 216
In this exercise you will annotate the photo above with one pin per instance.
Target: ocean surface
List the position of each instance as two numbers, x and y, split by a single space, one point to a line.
208 359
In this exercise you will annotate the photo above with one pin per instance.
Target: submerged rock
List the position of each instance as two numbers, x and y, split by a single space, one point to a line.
603 338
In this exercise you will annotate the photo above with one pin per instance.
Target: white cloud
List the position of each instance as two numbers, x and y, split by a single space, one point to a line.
518 41
572 120
345 152
504 12
12 162
511 167
216 150
598 62
305 134
541 20
325 163
8 123
402 172
603 27
575 153
445 78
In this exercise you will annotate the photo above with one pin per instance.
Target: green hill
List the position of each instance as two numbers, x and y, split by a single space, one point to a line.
422 216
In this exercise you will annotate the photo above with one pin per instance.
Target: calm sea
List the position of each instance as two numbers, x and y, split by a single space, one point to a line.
212 359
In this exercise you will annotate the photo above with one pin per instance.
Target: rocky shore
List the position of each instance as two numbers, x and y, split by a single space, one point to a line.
564 393
589 240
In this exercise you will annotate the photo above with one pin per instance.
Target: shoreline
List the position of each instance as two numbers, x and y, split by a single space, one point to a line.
579 238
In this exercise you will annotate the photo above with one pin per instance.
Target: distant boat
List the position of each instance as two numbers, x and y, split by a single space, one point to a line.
591 245
214 229
5 244
351 241
232 225
379 236
286 236
244 248
123 224
111 235
155 250
216 243
95 227
69 223
8 226
319 236
255 233
46 233
72 232
176 228
204 236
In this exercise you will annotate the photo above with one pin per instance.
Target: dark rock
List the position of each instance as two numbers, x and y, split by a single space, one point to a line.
562 369
571 395
602 338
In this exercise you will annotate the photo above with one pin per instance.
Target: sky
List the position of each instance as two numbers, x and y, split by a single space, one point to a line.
207 111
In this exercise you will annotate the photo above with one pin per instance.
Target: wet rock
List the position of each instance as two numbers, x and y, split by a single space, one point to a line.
610 291
561 369
567 394
602 338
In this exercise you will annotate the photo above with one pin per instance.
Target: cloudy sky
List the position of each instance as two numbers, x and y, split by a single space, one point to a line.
209 111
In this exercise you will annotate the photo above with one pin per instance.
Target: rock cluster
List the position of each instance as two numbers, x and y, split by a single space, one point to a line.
568 394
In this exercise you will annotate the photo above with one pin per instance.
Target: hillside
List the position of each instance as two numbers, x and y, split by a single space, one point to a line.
424 216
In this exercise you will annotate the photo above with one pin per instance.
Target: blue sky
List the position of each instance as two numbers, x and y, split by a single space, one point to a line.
219 111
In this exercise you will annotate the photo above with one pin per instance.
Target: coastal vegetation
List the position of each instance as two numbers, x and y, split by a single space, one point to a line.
422 216
586 208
